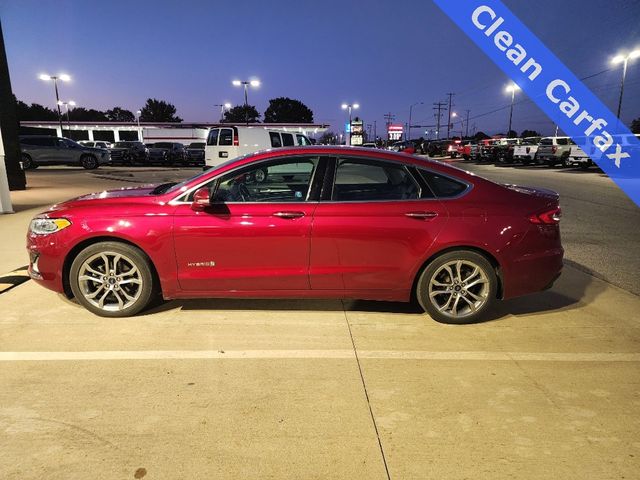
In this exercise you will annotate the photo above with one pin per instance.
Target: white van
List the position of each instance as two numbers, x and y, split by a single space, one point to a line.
225 143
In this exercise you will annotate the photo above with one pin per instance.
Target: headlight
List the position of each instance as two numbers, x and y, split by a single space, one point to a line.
45 226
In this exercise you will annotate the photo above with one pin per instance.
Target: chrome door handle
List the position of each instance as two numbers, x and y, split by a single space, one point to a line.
289 215
421 215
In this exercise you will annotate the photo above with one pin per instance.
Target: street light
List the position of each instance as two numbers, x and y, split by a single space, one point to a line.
62 77
511 89
67 105
625 60
246 83
410 112
350 106
223 107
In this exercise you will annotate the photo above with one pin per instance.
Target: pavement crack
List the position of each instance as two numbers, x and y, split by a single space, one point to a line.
366 393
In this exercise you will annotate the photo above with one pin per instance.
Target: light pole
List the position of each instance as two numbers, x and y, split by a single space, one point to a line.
63 77
223 107
453 115
511 89
246 83
67 105
624 59
410 114
350 106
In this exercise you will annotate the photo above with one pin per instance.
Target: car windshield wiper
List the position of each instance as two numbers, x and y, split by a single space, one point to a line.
162 188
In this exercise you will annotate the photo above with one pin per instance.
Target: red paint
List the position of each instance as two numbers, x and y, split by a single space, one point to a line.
369 250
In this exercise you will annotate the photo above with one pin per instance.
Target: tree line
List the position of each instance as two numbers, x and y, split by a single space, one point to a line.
280 110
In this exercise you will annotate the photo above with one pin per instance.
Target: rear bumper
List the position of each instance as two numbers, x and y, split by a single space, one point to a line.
532 273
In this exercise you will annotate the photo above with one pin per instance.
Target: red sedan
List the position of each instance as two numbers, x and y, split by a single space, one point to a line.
312 222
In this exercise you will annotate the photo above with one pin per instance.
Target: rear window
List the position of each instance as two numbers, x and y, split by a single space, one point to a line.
442 186
563 141
546 141
287 139
212 139
275 139
163 145
226 137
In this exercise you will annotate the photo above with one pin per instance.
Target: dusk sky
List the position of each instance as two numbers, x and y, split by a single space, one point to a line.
383 55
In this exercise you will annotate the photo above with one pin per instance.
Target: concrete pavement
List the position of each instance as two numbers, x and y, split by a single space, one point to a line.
281 389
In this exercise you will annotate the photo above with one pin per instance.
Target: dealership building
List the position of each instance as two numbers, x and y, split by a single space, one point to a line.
149 132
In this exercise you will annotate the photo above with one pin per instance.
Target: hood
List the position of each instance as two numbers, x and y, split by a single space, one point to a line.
126 193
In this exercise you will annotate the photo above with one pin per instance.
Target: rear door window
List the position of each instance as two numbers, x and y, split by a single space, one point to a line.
371 180
226 137
276 142
287 140
212 139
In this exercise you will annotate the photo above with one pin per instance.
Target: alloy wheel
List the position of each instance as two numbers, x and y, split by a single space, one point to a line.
459 288
110 281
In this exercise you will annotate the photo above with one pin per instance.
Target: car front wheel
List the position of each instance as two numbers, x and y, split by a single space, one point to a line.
458 287
112 279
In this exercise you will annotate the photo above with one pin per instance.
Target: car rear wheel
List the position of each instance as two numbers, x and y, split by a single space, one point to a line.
112 279
27 162
457 287
89 162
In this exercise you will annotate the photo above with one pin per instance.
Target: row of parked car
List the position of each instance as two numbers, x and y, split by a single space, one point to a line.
48 150
549 151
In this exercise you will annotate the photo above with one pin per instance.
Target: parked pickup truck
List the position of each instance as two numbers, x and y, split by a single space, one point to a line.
526 151
578 157
503 150
553 151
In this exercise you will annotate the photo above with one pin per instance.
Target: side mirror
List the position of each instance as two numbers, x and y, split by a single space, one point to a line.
201 199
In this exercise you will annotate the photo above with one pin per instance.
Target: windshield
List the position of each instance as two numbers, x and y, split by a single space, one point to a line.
162 145
196 145
121 145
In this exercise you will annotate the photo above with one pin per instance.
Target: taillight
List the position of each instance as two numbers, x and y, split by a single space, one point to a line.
549 217
236 142
554 149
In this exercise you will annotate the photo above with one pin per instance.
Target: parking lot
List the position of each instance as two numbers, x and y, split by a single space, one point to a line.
330 389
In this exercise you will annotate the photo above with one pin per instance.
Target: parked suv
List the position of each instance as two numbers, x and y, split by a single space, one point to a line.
195 153
129 153
167 153
47 150
503 150
553 151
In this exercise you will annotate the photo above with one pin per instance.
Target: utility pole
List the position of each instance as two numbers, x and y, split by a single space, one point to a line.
375 133
438 107
467 124
450 95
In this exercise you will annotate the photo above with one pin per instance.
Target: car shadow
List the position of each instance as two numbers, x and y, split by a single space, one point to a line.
573 289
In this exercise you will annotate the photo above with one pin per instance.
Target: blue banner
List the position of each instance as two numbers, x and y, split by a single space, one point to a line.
552 86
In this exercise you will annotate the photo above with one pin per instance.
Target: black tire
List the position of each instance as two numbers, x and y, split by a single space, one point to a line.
487 290
260 175
585 165
89 162
27 162
138 259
